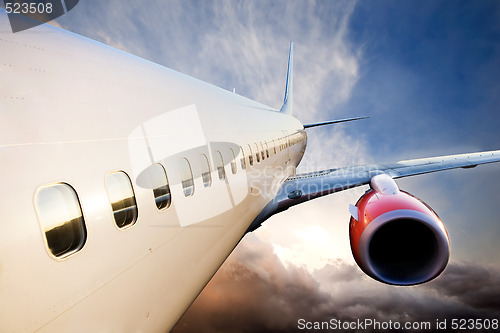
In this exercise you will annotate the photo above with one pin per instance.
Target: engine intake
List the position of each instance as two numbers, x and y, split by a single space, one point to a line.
395 237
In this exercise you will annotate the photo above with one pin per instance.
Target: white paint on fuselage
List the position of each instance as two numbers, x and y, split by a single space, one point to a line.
164 136
73 110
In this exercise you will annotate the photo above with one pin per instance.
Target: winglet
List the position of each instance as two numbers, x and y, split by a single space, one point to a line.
288 100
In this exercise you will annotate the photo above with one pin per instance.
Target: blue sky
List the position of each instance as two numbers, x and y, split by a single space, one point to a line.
431 60
426 72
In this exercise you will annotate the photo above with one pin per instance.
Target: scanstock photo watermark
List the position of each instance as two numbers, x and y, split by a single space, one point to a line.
378 325
28 14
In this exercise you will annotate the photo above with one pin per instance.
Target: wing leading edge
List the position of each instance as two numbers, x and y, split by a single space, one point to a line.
333 122
304 187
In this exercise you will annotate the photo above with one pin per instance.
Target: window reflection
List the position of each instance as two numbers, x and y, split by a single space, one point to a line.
250 156
61 219
186 177
219 163
205 171
122 198
242 160
233 161
161 189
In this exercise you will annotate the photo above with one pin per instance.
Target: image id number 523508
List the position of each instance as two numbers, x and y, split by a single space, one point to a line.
28 8
474 324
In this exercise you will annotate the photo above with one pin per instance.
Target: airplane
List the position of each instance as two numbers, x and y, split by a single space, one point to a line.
125 185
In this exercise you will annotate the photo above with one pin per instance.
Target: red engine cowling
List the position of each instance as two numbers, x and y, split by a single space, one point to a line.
395 237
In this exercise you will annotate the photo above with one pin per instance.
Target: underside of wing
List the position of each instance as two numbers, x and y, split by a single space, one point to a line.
395 237
304 187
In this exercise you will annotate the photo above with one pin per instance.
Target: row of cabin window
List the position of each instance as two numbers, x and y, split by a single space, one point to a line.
187 179
61 218
262 153
60 212
187 175
278 144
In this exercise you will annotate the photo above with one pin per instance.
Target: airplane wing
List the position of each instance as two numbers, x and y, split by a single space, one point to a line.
333 122
303 187
395 237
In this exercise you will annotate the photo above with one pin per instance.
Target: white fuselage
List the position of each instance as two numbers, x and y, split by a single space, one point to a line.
73 111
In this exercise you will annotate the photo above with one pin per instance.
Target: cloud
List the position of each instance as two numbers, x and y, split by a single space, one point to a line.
473 285
236 44
255 292
248 46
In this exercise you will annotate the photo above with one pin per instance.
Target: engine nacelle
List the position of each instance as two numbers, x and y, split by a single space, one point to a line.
395 237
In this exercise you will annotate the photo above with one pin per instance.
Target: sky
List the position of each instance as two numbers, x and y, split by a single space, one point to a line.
425 72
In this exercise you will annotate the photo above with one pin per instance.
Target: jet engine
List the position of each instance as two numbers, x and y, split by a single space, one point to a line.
395 237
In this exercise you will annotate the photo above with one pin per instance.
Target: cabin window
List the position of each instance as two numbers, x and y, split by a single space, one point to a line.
267 149
257 153
250 156
61 219
161 189
242 159
262 151
274 146
233 162
186 177
219 163
205 171
122 198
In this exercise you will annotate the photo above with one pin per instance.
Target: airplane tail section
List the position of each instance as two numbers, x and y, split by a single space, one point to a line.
288 100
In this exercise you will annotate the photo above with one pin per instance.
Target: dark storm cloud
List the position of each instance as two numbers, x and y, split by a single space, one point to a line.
470 284
255 292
